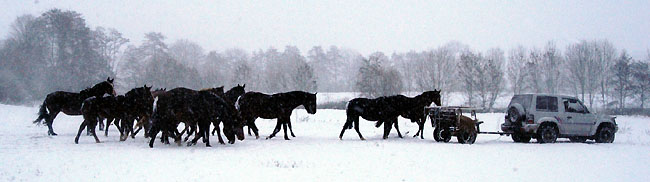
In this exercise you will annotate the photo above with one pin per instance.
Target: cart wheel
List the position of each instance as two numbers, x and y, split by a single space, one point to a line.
441 135
466 137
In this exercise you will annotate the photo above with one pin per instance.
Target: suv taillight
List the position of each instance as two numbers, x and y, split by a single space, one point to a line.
530 119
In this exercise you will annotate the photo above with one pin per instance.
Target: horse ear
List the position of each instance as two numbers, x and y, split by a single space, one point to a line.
243 85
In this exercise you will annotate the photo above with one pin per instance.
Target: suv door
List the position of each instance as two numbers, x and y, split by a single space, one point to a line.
578 117
547 106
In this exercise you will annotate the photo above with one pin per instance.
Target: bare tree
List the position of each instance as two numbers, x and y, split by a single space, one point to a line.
517 59
640 81
622 78
605 56
471 74
494 67
551 65
533 69
578 57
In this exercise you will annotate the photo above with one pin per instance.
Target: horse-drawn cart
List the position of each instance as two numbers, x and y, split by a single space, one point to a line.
449 121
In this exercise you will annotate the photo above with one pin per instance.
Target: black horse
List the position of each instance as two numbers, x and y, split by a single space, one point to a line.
70 103
413 108
200 108
387 109
187 94
135 103
231 97
378 109
254 104
144 121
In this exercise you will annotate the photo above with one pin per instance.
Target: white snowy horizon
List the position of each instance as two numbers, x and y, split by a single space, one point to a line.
364 26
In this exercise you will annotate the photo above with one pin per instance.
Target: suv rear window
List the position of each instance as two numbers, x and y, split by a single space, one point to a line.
524 100
546 104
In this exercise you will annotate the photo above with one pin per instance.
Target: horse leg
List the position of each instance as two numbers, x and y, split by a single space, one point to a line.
50 120
249 131
127 126
91 127
250 121
387 127
206 134
348 124
88 133
284 127
196 138
356 128
397 128
290 129
421 127
275 131
101 124
183 132
216 127
141 122
81 128
151 140
108 125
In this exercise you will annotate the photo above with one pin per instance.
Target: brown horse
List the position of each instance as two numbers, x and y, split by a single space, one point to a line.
135 103
194 108
70 103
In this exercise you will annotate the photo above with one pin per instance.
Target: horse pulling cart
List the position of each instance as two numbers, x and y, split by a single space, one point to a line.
449 121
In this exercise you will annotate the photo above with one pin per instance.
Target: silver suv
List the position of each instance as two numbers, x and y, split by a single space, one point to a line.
548 117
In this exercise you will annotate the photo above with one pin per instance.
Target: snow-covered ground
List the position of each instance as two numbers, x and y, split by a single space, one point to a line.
316 154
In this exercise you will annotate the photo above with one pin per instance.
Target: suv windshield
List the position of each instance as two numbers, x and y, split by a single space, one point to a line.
524 100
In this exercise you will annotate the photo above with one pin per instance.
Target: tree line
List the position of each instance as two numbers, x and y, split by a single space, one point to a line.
58 51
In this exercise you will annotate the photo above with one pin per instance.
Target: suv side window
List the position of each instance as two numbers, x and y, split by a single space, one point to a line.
546 104
572 105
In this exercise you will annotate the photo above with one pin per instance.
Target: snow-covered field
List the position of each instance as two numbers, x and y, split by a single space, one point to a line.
316 154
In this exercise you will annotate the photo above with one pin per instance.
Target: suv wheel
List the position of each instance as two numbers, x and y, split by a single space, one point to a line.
441 135
605 134
520 138
515 113
578 139
547 134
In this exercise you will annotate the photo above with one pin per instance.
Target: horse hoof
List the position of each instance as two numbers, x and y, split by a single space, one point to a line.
257 137
222 143
208 145
363 138
286 138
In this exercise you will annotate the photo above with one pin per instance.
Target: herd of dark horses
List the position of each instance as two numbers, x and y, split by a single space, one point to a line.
162 111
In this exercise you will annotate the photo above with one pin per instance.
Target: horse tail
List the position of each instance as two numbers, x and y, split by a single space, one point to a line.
42 113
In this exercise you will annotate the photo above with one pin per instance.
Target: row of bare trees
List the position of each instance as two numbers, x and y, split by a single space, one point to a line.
58 51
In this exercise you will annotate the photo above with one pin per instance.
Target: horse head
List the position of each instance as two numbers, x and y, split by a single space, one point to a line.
105 87
235 92
310 103
234 128
237 125
432 96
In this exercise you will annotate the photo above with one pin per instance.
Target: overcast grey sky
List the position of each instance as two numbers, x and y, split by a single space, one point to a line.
365 26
